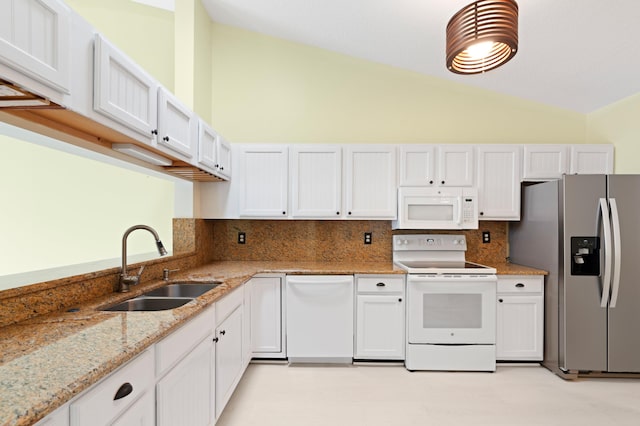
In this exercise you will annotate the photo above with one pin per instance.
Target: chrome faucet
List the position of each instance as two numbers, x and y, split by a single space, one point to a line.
128 280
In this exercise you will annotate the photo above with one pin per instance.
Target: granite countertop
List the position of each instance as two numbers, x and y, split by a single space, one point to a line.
47 360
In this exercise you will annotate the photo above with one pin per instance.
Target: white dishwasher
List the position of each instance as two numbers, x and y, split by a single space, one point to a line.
320 318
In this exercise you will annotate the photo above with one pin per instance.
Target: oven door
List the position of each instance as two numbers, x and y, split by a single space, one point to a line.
451 309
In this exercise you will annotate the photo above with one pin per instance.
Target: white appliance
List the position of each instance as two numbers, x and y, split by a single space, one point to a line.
437 208
320 318
451 304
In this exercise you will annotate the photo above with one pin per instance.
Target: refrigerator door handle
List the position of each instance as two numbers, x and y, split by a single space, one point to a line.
606 228
615 218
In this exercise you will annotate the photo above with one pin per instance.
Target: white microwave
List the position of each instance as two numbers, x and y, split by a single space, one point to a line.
437 208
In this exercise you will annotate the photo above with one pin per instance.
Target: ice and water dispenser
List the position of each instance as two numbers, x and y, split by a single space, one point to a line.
585 256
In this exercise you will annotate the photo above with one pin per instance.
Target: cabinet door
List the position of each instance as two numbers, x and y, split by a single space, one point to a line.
123 91
177 126
228 358
34 40
591 159
263 187
141 413
185 394
545 162
266 316
60 417
417 165
316 181
370 185
207 153
519 327
499 182
380 326
247 301
223 154
455 165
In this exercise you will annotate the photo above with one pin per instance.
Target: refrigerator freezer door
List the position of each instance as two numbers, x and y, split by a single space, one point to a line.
624 338
582 321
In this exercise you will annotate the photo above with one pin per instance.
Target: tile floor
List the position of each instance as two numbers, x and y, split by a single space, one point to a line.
276 394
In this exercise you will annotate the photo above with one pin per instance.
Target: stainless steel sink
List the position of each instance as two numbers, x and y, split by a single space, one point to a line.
149 304
184 289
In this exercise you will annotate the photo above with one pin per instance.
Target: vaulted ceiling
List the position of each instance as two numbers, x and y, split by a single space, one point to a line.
579 55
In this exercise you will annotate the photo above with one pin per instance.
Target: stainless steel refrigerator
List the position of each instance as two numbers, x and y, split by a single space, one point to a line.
585 231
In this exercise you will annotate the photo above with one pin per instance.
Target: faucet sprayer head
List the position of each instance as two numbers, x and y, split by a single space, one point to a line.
161 248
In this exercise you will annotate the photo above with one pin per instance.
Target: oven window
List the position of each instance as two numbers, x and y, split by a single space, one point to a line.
430 212
452 310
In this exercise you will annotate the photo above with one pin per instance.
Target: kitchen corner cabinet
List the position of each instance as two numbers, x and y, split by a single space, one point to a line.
380 317
123 91
520 318
591 159
177 126
545 162
214 153
498 182
316 181
263 175
267 325
34 42
370 181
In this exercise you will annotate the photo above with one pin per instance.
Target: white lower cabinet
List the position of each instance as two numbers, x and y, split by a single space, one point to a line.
141 413
228 358
520 318
60 417
114 396
380 317
185 395
267 327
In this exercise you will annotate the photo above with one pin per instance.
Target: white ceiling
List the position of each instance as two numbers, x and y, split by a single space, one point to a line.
575 54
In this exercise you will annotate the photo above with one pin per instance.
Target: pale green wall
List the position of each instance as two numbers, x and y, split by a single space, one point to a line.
144 33
619 124
270 90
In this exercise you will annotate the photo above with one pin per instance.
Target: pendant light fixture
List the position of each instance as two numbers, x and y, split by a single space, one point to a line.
482 36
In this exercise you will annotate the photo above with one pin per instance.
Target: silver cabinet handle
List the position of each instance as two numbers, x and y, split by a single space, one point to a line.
606 228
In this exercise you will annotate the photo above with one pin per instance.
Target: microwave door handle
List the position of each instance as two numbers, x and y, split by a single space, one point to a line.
459 221
617 252
603 210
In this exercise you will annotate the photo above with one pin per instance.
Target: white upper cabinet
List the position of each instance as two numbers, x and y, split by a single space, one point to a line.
34 40
499 182
417 165
223 155
591 159
123 91
436 165
263 172
545 162
214 153
177 126
455 165
316 181
370 181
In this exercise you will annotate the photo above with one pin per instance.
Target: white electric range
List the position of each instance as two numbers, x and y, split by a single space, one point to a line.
451 313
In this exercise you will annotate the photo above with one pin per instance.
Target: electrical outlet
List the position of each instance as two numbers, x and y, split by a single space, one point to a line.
367 237
486 237
242 238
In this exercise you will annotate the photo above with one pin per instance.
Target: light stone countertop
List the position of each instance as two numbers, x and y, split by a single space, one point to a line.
47 360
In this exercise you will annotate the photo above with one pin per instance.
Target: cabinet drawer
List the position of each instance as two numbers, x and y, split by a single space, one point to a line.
175 346
98 405
518 284
228 303
373 284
